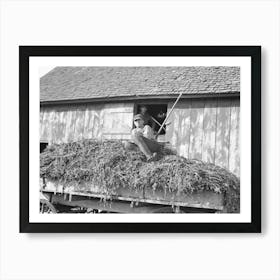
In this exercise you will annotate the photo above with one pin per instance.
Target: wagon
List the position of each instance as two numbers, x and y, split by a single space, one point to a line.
86 198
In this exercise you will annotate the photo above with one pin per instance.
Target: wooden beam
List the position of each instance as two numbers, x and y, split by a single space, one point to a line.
116 206
207 200
109 206
162 98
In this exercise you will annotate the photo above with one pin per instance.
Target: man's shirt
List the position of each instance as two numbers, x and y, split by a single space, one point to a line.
146 131
148 120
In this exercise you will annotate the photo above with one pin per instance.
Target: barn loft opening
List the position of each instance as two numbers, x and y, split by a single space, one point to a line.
43 146
158 114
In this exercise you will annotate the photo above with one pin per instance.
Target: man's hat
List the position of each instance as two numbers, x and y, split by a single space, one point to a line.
138 117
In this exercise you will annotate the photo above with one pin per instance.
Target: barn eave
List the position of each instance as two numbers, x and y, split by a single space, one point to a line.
165 97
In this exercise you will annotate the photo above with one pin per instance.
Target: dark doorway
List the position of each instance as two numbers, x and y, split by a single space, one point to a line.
43 146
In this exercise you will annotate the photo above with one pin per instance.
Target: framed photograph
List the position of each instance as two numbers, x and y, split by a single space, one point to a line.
140 139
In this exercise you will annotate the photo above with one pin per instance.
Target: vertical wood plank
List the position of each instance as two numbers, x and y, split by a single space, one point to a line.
234 150
88 121
96 130
59 125
45 124
184 129
209 131
126 122
63 119
172 129
92 121
55 125
222 133
50 126
178 132
41 123
196 129
67 125
70 124
79 123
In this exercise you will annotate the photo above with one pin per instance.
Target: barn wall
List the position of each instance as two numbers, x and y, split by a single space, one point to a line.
71 123
207 129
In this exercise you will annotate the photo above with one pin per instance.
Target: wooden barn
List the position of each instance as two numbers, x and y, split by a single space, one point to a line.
99 102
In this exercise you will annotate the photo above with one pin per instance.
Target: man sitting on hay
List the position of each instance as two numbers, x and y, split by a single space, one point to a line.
143 137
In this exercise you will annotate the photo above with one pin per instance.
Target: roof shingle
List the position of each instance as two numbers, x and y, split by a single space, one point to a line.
73 83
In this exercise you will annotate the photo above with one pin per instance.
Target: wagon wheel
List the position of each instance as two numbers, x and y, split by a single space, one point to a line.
46 207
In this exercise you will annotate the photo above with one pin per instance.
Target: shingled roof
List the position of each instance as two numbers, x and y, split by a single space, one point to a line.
79 83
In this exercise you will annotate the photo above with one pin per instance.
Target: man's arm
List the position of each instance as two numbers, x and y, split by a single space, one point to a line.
148 132
138 131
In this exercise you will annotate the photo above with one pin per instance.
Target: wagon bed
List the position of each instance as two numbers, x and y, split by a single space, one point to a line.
125 200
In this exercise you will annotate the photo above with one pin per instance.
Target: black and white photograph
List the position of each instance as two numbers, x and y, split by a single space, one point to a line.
141 135
140 140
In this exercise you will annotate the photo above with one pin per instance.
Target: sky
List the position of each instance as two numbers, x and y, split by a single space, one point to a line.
44 70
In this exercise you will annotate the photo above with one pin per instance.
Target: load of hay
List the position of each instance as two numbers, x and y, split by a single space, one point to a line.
108 165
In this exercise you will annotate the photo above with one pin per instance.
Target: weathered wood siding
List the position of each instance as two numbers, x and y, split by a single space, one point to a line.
116 121
208 130
72 123
205 129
